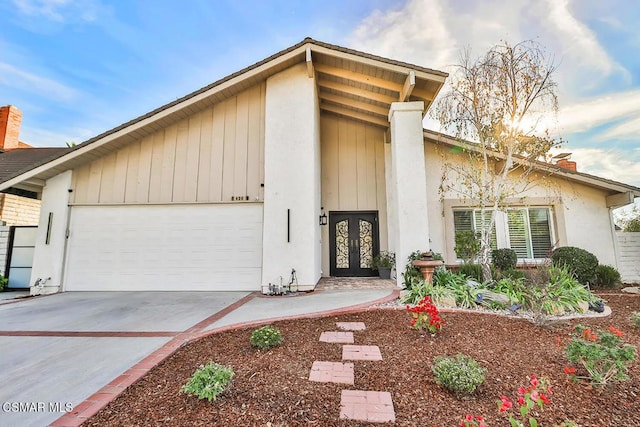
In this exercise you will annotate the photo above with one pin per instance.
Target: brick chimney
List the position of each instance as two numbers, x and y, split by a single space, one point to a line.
10 121
562 160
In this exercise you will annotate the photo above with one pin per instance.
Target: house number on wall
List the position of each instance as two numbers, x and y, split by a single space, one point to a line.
239 198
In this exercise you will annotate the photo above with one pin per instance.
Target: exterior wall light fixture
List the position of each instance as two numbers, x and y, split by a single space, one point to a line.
323 217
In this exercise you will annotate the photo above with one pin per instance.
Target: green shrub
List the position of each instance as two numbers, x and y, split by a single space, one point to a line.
473 271
460 374
607 276
603 354
384 259
635 319
412 273
581 263
422 288
209 381
515 289
504 259
467 245
266 337
3 282
514 274
562 294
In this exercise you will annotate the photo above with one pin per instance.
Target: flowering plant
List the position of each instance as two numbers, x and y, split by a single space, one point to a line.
425 316
471 421
537 393
601 353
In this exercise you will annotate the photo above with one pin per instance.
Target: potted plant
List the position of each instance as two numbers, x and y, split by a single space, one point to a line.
384 262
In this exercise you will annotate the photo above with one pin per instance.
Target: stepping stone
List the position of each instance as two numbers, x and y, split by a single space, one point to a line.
351 326
371 406
331 372
339 337
361 352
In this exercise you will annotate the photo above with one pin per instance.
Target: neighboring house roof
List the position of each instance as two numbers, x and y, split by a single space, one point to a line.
581 177
19 160
350 83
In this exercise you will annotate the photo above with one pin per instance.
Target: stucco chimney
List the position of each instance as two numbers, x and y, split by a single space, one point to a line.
10 121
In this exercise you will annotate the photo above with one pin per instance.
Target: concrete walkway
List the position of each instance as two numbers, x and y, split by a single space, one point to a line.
67 355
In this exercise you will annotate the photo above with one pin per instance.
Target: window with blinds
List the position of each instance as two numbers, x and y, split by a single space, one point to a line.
468 220
528 230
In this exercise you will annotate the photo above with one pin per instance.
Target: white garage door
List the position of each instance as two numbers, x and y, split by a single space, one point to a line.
164 248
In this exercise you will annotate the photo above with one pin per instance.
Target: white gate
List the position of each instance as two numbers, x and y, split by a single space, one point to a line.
629 256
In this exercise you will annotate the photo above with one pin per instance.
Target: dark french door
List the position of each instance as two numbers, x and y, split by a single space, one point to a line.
353 242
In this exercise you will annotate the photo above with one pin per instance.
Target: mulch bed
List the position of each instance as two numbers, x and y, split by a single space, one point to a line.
273 386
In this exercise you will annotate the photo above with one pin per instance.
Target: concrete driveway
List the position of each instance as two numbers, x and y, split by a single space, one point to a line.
56 351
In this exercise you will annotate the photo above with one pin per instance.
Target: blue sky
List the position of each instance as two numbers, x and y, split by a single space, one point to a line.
79 67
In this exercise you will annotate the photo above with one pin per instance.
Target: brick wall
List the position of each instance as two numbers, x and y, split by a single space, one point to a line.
4 247
17 210
10 120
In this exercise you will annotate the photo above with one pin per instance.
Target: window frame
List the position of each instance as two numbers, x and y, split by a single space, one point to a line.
501 229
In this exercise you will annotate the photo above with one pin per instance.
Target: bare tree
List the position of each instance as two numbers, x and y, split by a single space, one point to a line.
501 103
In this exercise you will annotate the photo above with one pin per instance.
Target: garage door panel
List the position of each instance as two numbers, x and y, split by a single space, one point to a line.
185 247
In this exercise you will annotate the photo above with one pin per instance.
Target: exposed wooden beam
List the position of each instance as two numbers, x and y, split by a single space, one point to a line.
421 93
358 77
409 84
385 99
384 112
35 182
620 199
310 70
376 120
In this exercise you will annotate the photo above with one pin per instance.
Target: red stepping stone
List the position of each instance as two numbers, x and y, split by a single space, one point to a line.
351 326
361 352
370 406
331 372
339 337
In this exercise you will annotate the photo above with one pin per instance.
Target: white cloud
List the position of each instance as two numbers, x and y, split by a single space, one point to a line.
15 77
59 10
586 114
617 165
578 42
45 138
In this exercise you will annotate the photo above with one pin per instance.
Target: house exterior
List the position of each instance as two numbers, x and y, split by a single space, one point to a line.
227 187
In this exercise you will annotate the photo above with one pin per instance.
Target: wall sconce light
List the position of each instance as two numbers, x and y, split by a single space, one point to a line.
323 217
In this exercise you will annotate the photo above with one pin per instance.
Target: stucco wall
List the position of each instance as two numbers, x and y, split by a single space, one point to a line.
49 255
291 180
579 213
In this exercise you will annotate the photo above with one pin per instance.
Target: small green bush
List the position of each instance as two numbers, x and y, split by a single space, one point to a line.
514 274
504 259
467 245
266 337
460 374
412 273
384 259
581 263
3 282
635 319
607 276
473 271
209 381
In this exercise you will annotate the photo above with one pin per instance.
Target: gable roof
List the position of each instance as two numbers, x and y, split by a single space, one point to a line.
609 185
350 83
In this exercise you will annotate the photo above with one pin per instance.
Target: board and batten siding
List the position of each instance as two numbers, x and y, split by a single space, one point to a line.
353 173
212 156
628 256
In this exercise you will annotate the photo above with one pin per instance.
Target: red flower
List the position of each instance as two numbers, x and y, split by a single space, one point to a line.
534 381
568 370
521 391
545 399
521 401
469 417
615 331
506 404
